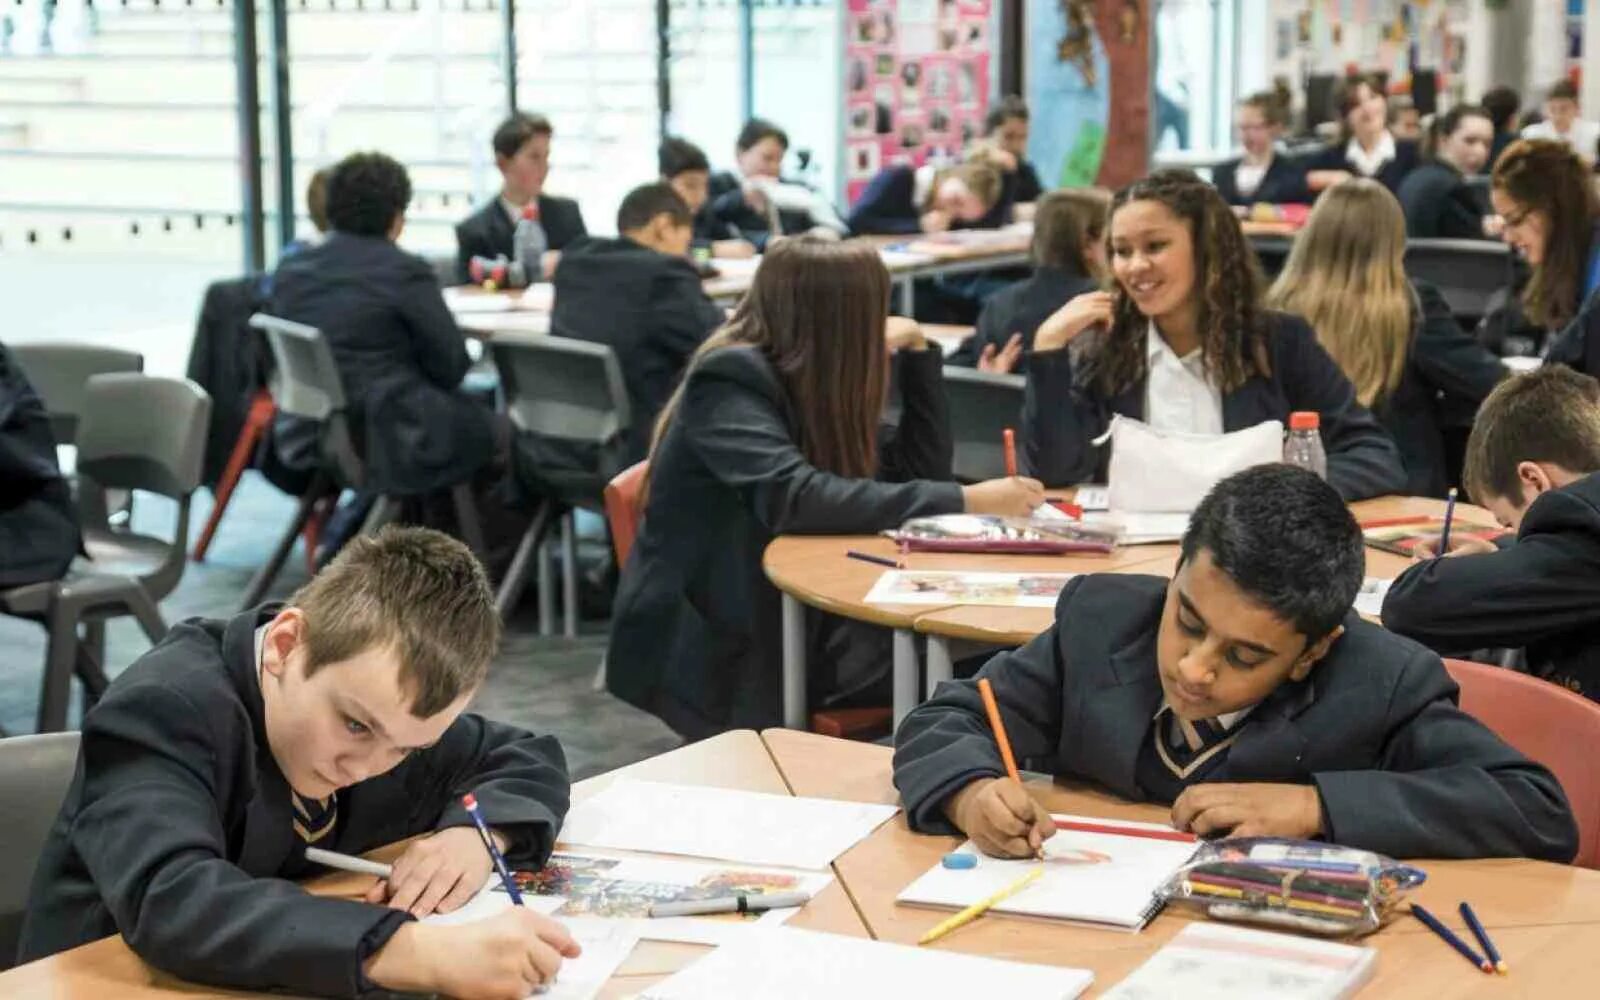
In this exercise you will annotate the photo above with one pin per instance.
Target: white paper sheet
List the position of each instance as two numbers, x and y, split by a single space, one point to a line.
1209 961
729 825
605 948
1092 877
736 267
941 587
1369 601
1140 528
1093 497
788 964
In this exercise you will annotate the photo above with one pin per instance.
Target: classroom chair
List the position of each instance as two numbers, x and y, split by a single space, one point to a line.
35 773
257 419
1548 724
625 508
305 383
136 434
1467 273
60 373
1272 252
569 407
982 405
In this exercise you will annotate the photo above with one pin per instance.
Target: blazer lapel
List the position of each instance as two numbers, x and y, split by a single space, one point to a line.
1272 743
1108 743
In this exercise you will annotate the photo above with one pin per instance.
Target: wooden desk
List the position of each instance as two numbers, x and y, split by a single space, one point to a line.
1545 918
108 970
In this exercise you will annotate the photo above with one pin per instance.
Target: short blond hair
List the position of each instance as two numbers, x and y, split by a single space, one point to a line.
415 591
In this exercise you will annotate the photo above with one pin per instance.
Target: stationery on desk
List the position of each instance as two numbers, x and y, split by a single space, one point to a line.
1369 599
1402 535
1209 961
947 587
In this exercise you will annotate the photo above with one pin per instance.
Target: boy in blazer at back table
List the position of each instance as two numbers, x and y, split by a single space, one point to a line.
1534 460
336 721
522 152
1246 693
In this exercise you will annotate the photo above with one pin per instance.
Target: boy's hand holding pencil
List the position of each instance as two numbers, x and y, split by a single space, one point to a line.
1001 818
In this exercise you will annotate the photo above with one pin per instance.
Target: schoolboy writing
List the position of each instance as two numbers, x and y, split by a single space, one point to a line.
1245 693
336 721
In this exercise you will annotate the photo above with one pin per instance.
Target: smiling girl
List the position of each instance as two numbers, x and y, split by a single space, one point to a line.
1365 147
1182 343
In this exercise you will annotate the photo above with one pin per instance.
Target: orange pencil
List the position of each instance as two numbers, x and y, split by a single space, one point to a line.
1010 438
993 708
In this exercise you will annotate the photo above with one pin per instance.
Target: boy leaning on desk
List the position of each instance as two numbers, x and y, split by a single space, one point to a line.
212 763
1246 693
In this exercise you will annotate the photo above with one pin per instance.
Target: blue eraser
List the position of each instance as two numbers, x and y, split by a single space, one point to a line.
960 859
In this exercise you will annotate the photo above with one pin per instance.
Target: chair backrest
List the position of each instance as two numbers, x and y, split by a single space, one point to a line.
1467 273
305 382
623 509
59 373
1547 724
1272 252
560 388
982 406
141 432
35 773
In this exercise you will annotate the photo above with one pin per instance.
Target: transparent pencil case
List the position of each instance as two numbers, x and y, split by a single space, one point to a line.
991 533
1298 885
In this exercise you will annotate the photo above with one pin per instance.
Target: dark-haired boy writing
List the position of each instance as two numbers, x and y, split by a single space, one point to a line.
1245 693
337 722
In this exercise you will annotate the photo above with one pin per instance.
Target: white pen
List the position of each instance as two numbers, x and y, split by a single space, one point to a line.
742 903
345 862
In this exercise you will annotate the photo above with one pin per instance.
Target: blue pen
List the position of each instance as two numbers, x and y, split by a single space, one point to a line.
471 804
1483 939
1449 512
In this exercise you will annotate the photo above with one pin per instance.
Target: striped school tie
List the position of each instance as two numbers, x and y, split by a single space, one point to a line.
1183 746
314 818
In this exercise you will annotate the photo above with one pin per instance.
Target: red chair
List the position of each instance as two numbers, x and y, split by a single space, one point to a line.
256 421
1548 724
623 509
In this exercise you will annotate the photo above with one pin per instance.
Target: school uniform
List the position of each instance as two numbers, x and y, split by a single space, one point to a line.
1541 592
1447 375
1061 418
1023 183
647 306
179 830
892 204
727 216
488 231
1375 728
38 520
1283 182
1389 162
1440 204
1021 308
695 627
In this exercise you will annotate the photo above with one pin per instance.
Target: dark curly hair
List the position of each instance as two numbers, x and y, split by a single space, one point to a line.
1228 280
365 193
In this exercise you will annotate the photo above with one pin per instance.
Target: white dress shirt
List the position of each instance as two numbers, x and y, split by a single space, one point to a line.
1178 395
1366 163
1583 137
1247 176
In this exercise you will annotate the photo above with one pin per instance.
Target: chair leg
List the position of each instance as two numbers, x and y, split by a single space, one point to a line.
255 425
149 616
467 520
569 576
600 674
311 534
59 662
92 675
547 592
516 578
269 570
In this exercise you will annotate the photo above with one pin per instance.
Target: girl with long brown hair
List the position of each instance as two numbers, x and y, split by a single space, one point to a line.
1396 340
1545 196
775 430
1182 343
1365 147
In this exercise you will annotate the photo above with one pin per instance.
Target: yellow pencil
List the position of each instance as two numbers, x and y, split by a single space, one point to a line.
977 910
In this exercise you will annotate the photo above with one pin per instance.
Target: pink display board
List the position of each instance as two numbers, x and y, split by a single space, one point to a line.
916 82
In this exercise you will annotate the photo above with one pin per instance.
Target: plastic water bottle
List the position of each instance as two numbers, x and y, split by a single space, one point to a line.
528 244
1303 447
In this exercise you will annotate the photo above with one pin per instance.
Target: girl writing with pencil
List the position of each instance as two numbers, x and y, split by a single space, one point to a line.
776 429
1182 343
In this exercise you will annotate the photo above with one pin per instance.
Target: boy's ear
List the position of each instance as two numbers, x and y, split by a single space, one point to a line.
285 634
1314 654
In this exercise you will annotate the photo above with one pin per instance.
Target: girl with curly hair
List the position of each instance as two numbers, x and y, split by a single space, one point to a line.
1182 343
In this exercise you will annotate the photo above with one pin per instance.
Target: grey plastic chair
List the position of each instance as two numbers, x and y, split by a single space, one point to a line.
982 406
35 774
1468 273
137 433
571 393
60 373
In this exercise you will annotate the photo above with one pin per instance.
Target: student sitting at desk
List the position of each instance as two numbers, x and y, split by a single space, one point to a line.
684 165
38 521
1534 461
522 152
1562 124
1396 340
334 721
1438 201
1365 147
1246 693
1006 128
745 206
639 295
1182 344
906 200
1069 256
776 430
1262 174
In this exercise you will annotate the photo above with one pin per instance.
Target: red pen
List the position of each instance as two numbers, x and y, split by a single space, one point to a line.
1009 436
1125 831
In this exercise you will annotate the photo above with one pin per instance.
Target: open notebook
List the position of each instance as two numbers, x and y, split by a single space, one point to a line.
1108 879
1208 961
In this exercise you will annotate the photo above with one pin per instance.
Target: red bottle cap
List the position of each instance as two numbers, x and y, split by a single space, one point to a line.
1305 420
531 211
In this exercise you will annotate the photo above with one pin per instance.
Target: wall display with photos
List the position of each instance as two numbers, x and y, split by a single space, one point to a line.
1394 37
916 82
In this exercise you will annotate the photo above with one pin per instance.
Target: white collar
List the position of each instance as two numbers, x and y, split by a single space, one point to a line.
1227 720
1155 346
1370 163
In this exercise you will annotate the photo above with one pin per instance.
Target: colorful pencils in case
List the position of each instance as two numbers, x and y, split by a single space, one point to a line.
1448 936
1483 939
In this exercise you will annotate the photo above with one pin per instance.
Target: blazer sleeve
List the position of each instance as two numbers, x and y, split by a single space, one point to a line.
682 316
732 218
945 743
1362 459
920 447
470 242
151 835
1445 786
886 206
990 329
1546 584
741 435
1578 345
571 225
436 342
1028 189
1448 358
1060 421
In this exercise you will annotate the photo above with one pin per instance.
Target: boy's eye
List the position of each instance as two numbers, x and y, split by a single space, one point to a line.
1243 660
1188 627
355 728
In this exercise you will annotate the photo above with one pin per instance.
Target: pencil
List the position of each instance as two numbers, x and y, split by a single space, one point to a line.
1009 437
1483 939
879 560
349 863
986 690
977 910
1450 938
1449 512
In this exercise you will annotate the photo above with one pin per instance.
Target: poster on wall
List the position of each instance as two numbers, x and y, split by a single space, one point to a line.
916 82
1088 87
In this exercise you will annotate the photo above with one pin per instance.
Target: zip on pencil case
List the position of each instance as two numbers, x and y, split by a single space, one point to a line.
991 533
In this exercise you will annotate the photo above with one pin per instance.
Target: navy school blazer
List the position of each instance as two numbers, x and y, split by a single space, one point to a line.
889 205
488 231
1021 308
1406 156
1375 727
1061 418
1283 183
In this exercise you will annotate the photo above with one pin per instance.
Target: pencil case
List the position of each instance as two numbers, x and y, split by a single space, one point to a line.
1298 885
991 533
